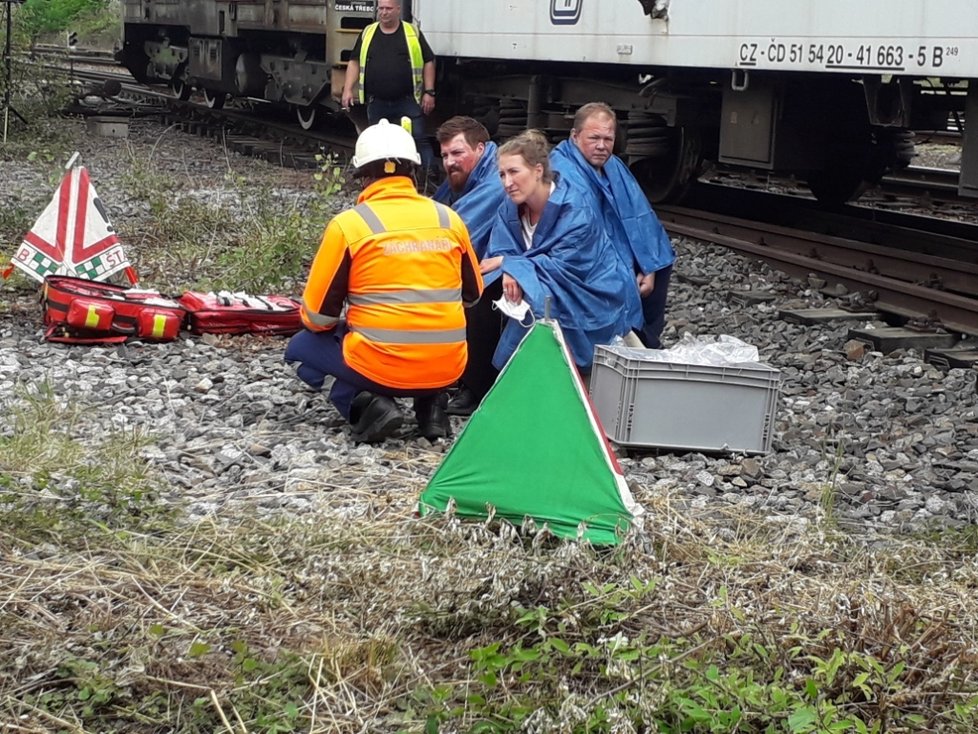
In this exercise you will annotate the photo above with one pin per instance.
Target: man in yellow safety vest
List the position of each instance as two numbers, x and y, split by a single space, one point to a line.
394 68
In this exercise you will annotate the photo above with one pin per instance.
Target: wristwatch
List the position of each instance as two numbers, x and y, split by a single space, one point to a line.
429 91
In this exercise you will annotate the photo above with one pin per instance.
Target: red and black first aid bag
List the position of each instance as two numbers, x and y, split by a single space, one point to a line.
80 311
239 313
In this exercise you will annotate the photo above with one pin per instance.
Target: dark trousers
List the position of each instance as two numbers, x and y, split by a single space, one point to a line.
483 324
654 309
320 353
393 110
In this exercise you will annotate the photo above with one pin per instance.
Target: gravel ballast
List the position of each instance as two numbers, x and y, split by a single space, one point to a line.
876 443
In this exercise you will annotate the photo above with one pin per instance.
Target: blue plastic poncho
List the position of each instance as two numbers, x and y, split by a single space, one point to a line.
593 296
633 227
479 200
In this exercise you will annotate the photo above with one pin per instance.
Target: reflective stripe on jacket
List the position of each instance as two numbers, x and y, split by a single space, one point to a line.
404 266
414 53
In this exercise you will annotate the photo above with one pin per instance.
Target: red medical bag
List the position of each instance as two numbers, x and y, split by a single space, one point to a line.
80 311
239 313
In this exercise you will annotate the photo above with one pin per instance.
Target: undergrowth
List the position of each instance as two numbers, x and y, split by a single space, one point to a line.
33 132
125 616
122 614
240 238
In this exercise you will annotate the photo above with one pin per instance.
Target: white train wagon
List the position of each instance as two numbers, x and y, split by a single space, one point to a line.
830 90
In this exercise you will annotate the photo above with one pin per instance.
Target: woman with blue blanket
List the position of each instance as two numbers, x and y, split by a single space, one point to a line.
548 243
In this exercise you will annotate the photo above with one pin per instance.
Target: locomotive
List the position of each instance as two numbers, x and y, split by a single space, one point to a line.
289 52
827 90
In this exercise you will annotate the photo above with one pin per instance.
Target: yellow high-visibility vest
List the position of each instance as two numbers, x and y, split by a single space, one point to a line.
414 51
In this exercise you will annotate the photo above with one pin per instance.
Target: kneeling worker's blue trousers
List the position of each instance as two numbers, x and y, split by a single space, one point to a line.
320 353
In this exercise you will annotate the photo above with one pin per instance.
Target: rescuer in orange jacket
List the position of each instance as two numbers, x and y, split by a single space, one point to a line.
403 267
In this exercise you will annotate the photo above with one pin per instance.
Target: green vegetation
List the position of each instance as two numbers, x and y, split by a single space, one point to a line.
123 614
256 240
37 21
102 485
35 99
38 96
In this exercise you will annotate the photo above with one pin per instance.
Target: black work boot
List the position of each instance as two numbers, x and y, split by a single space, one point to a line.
374 417
432 419
464 402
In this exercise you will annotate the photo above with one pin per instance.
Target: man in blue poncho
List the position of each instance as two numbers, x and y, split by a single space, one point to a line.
472 188
639 238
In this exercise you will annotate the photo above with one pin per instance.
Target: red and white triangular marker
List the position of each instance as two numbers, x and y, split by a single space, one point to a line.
73 235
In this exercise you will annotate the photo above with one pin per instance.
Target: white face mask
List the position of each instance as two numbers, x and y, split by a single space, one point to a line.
517 311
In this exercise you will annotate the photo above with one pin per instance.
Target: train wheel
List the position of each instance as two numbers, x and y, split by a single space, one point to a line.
667 165
178 83
306 116
512 119
856 166
836 185
213 99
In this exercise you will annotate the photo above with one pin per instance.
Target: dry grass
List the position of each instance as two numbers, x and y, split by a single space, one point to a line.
335 623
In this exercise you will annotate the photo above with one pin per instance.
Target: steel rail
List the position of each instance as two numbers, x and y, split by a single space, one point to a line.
785 249
243 130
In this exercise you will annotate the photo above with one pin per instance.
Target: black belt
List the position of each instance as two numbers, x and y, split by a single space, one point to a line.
373 98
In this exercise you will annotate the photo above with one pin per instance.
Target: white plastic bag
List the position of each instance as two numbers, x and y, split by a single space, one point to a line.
717 351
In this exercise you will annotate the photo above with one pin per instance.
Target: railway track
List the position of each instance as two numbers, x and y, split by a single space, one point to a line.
914 179
935 282
911 187
268 134
250 127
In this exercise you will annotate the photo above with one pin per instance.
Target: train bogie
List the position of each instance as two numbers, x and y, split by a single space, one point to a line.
291 52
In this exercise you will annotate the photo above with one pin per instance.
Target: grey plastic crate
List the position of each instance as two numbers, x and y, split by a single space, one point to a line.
684 406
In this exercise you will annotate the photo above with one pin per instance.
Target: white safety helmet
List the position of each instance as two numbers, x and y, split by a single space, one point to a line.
384 141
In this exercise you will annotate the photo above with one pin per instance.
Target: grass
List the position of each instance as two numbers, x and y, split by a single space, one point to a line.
121 612
256 239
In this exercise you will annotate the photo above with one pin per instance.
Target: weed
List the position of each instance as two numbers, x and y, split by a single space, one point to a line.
143 182
830 489
248 240
330 178
54 478
279 237
274 250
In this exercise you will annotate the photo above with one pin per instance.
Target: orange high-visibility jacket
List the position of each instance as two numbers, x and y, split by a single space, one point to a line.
404 266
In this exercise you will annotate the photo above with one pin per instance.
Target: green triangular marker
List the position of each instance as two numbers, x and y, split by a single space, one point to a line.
535 448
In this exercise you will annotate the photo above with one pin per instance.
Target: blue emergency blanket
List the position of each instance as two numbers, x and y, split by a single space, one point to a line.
479 200
593 296
635 230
